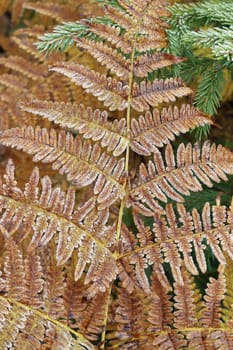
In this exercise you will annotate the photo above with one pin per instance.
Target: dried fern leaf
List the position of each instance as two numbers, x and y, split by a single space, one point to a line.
51 213
91 324
211 313
25 328
148 63
104 54
34 280
13 81
130 310
28 45
13 270
121 18
176 244
159 128
31 70
91 124
112 35
79 161
114 93
59 12
148 93
160 311
186 302
139 260
31 32
54 285
152 9
176 178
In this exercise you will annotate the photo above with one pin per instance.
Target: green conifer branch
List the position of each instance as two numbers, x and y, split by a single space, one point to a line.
202 33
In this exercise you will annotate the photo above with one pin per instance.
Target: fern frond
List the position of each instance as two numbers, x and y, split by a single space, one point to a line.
13 268
32 32
34 280
85 232
23 326
175 238
158 128
149 94
186 302
92 124
104 54
54 285
148 63
56 11
28 45
31 70
82 163
13 81
211 313
160 310
112 34
177 178
114 93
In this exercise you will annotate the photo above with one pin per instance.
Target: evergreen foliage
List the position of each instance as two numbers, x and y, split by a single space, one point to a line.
202 33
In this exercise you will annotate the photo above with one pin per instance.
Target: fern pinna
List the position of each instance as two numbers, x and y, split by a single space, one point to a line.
76 272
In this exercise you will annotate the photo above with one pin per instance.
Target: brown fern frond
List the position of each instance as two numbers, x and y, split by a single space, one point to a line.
59 12
148 63
82 163
129 321
112 35
33 279
173 243
28 45
13 272
31 32
160 309
54 285
186 302
176 178
27 329
159 128
104 54
138 259
91 324
114 93
120 17
211 313
91 124
31 70
23 214
74 298
13 81
148 93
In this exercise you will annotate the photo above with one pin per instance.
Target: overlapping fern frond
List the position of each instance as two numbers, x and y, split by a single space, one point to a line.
103 280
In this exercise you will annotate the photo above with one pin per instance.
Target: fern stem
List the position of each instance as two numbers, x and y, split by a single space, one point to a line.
103 335
123 200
